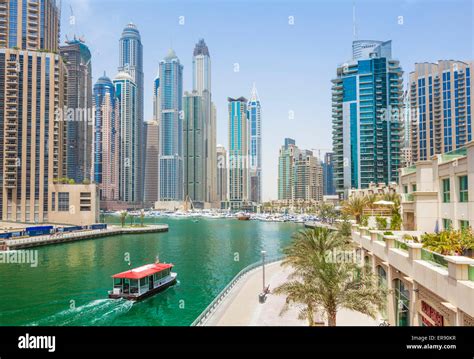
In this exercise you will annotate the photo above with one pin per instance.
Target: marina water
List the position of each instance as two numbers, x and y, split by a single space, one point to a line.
69 286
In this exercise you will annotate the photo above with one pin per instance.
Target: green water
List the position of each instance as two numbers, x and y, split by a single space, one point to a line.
69 286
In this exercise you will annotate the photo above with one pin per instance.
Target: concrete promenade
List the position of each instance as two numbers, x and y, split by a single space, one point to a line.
242 308
22 243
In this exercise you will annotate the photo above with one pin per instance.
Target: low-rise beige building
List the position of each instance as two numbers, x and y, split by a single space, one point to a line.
424 288
74 204
438 194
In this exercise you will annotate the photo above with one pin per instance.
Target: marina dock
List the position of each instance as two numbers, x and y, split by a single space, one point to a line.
14 244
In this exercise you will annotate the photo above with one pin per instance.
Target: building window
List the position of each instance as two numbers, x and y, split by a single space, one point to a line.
402 304
464 224
63 202
446 191
447 224
405 189
53 201
463 196
413 188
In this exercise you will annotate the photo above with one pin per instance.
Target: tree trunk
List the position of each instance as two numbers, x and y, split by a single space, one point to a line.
332 319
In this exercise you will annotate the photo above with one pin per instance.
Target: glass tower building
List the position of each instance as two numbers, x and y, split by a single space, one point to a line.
79 109
366 106
131 62
126 92
106 139
255 149
171 129
238 192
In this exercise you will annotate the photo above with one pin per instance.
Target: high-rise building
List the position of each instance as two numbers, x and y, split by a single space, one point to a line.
78 108
151 163
106 159
131 61
30 25
308 177
367 102
221 173
286 162
194 148
238 192
202 87
328 175
171 129
32 98
439 98
300 174
255 149
126 92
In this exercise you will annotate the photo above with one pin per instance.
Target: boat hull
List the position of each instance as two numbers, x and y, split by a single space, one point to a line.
146 294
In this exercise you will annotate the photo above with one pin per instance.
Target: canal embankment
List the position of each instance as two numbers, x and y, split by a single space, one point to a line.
57 238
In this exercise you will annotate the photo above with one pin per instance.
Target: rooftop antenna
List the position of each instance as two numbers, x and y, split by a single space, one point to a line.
354 21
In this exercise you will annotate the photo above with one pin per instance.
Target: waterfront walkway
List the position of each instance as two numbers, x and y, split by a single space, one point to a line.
13 244
242 308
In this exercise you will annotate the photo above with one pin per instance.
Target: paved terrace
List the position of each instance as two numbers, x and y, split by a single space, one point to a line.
242 308
13 244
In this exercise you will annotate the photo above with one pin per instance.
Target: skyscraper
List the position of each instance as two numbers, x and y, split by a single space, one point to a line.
328 175
202 87
106 159
255 149
79 109
131 61
151 163
126 92
32 98
221 174
286 164
367 102
439 99
308 177
238 153
194 148
171 129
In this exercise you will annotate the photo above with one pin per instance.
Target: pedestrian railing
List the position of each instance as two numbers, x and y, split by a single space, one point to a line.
211 308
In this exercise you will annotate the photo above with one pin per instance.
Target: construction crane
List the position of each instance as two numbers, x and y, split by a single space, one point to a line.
319 150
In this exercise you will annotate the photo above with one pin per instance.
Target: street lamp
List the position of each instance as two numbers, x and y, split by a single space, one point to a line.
263 268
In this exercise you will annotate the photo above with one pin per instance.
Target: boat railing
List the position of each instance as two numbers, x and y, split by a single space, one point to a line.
211 308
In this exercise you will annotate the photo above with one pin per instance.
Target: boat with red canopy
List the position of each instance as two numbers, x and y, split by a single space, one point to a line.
142 282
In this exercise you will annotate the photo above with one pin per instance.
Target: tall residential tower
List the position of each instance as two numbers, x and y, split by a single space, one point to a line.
171 129
439 100
255 149
78 109
367 103
131 62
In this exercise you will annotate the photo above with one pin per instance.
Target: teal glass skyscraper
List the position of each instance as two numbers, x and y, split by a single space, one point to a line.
366 107
171 129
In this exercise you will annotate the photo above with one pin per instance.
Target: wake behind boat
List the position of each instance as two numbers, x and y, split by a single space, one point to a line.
142 282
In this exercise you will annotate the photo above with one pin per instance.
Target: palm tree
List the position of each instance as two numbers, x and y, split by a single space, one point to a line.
324 285
123 217
355 206
142 217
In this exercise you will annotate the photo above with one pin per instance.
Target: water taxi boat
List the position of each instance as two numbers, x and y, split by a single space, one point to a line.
142 282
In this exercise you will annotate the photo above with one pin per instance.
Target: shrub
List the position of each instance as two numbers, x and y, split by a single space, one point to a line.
381 223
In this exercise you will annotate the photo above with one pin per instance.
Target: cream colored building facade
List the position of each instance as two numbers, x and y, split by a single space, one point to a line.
424 289
76 204
439 193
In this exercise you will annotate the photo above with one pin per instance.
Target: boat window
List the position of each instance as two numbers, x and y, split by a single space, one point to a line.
118 282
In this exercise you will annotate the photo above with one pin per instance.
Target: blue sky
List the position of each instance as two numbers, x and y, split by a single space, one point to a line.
292 65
